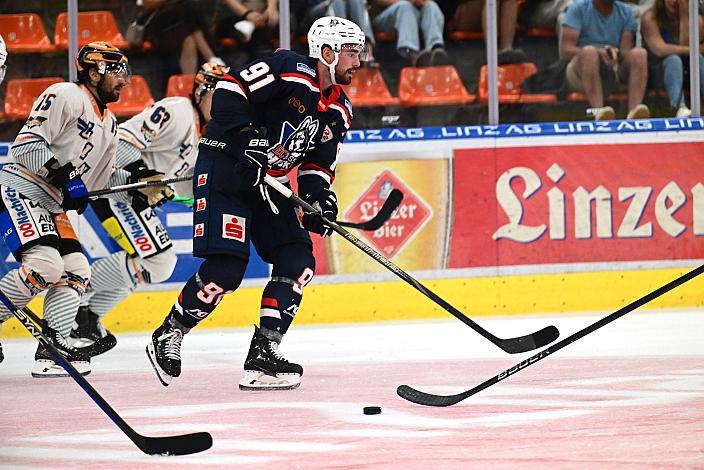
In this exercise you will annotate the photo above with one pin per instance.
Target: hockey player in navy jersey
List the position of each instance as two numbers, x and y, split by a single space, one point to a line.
269 116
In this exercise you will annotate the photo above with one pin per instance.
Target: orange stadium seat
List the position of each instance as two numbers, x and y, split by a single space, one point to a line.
21 93
368 88
24 33
579 96
427 86
92 26
180 85
133 98
510 77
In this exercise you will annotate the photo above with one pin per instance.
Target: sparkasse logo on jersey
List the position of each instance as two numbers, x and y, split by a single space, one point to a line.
404 222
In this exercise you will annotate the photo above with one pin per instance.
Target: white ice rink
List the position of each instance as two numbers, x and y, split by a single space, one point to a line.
630 395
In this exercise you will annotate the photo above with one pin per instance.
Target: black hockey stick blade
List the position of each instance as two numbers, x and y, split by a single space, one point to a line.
428 399
172 445
509 345
390 204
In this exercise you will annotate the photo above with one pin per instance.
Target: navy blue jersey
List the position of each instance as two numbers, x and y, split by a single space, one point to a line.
281 93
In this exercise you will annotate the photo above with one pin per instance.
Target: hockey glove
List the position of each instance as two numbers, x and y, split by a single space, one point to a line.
152 195
68 179
253 161
326 203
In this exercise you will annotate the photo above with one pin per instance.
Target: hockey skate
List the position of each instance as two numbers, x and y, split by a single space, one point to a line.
164 351
2 356
46 366
90 336
266 368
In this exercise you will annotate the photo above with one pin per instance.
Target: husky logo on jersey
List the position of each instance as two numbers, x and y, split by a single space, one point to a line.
35 121
85 129
293 144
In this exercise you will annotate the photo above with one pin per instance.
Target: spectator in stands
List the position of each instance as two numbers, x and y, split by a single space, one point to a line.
598 40
666 33
471 16
179 29
546 14
252 22
3 58
354 10
408 20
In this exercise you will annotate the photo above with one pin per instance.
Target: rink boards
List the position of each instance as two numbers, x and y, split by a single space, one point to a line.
497 220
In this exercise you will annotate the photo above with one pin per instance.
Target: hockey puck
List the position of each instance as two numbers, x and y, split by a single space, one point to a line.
372 410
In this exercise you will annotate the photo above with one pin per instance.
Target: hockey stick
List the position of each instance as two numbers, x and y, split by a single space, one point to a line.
390 204
139 185
171 445
428 399
511 345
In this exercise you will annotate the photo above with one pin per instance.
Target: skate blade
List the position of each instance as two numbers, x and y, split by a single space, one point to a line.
255 380
46 368
161 374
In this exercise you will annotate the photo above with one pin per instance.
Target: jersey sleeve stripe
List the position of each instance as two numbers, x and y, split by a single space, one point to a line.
343 111
231 86
302 79
129 136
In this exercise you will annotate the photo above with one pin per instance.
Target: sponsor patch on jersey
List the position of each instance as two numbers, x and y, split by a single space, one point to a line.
305 69
199 230
200 204
327 135
233 227
202 179
134 227
348 105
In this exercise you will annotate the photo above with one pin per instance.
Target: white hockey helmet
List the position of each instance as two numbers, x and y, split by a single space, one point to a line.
337 33
3 57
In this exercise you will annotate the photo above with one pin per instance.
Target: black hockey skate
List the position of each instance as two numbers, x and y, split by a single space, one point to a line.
90 336
164 351
44 363
2 356
266 368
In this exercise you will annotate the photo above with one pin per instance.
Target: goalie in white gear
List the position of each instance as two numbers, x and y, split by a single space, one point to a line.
163 137
65 149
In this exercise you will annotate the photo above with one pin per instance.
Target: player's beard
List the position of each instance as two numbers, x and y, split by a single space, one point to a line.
345 78
106 94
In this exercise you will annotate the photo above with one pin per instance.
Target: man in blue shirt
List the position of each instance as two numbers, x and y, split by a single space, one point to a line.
598 39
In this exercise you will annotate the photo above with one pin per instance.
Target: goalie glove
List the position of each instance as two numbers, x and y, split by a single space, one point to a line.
152 195
326 203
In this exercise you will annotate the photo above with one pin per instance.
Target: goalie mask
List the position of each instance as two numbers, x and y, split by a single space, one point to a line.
336 33
207 77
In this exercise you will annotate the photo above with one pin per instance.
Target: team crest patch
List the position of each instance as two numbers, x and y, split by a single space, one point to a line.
199 230
202 179
305 69
327 135
233 227
200 204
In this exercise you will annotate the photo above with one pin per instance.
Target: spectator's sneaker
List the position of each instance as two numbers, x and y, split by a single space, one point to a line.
639 112
424 59
439 57
683 112
605 113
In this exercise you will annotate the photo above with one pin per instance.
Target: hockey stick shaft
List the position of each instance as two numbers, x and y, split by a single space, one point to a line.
176 445
139 185
423 398
509 345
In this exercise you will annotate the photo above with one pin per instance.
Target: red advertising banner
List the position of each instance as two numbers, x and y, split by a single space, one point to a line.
575 204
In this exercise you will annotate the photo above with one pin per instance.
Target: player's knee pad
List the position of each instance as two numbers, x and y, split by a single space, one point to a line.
77 271
294 264
224 271
159 267
41 267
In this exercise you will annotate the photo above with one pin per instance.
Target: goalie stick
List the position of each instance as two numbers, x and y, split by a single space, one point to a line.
428 399
510 345
139 185
169 445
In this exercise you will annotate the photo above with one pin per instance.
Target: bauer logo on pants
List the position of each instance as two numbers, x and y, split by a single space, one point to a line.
233 227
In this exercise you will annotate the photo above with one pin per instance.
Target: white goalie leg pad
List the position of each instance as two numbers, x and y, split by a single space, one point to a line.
255 380
44 368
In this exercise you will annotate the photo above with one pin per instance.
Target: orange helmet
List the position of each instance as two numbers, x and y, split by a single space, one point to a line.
103 56
207 77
